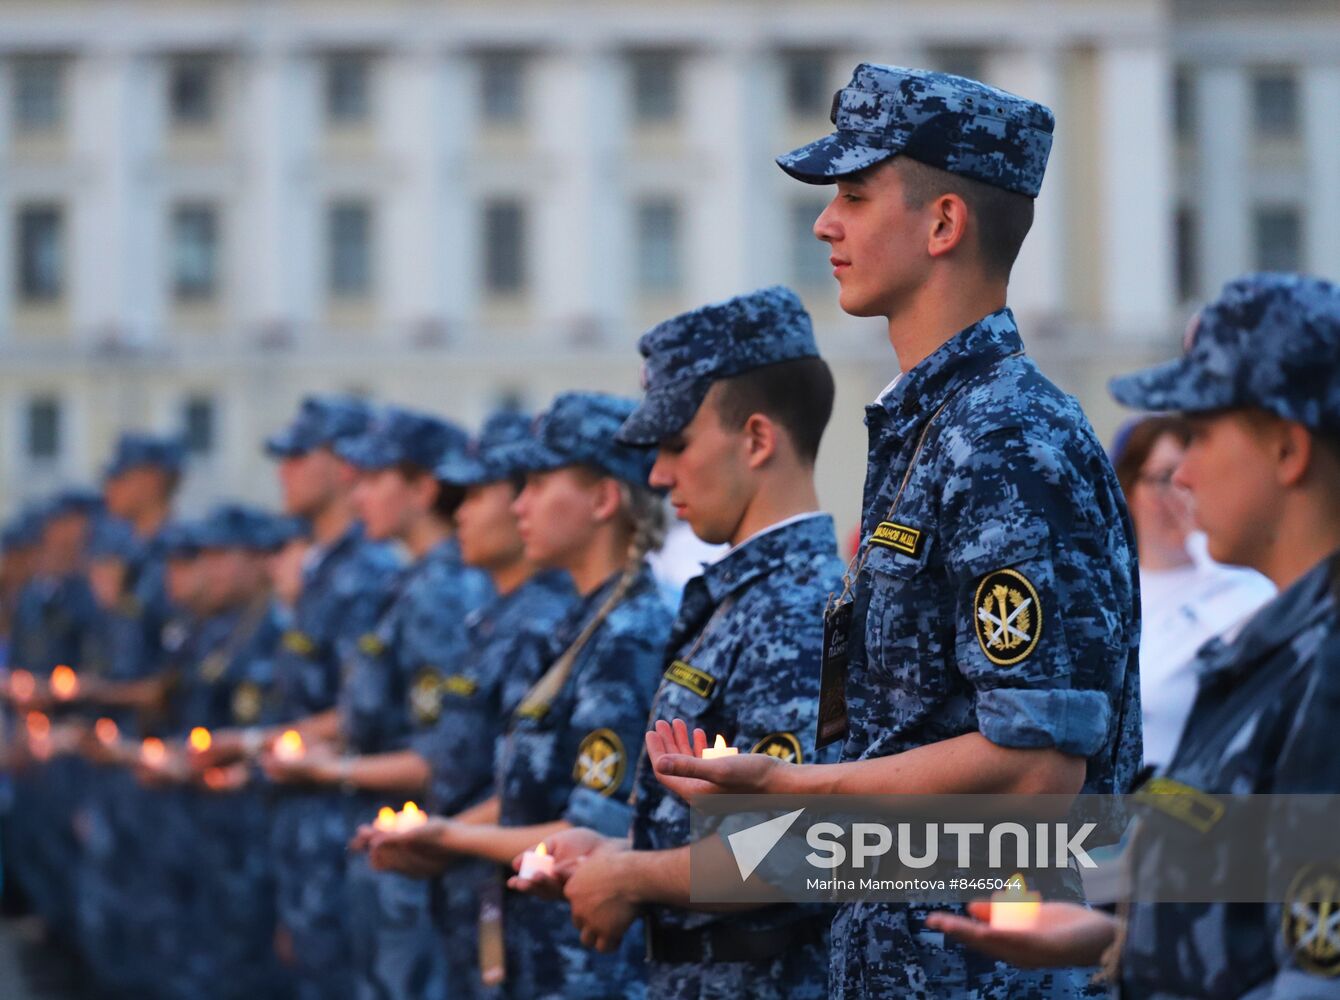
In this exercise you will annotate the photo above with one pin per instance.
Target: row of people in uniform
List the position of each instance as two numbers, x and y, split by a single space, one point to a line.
984 479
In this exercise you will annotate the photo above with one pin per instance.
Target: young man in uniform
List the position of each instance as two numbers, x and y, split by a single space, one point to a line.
737 401
994 623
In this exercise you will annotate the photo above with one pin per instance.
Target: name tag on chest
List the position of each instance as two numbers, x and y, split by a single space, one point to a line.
899 537
700 683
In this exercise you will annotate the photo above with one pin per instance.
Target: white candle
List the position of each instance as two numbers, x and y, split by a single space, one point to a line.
1015 908
719 749
537 862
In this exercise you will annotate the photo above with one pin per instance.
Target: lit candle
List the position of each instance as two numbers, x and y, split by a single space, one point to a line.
39 726
1015 908
386 818
200 739
106 731
152 751
410 817
719 749
22 685
537 862
64 683
289 746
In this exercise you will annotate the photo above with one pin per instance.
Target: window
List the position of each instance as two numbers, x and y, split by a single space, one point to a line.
659 269
348 97
1187 251
44 428
1184 104
37 94
198 424
504 247
349 247
809 257
191 85
655 87
502 87
808 93
41 276
1279 239
1275 105
195 251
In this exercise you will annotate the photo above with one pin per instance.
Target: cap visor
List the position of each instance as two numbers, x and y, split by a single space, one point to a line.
1174 385
460 470
824 160
284 445
657 417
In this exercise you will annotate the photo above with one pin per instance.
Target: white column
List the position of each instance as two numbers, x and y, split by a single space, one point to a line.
718 128
1321 98
455 211
1137 193
1224 146
1037 283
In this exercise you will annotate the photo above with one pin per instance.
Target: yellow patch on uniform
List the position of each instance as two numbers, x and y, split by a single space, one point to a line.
898 537
1312 919
691 677
783 746
129 606
298 642
459 685
1007 616
247 703
371 644
212 667
425 696
601 762
1182 802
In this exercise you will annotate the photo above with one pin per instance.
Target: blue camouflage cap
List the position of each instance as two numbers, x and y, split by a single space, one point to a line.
1270 341
321 421
686 354
941 120
239 526
579 429
136 449
23 531
487 458
181 540
398 435
288 528
112 538
72 503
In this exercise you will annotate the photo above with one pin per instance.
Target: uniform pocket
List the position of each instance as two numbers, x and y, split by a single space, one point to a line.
909 635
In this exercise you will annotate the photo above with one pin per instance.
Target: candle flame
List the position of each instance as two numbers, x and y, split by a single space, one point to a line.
106 731
22 685
411 809
290 745
200 739
385 818
540 849
64 683
720 744
152 750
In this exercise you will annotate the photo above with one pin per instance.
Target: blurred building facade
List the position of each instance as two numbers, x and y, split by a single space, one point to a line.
211 207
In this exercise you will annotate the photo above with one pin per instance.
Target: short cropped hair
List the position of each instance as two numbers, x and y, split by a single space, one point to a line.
797 394
1003 217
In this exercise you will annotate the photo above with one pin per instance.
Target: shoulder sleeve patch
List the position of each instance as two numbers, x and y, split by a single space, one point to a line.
601 762
1310 919
783 746
246 703
1007 616
425 696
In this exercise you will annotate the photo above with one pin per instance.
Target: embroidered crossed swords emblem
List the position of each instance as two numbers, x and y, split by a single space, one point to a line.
1003 632
1318 931
599 769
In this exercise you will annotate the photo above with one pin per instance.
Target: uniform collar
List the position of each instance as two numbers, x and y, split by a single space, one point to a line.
1296 609
958 359
318 555
769 550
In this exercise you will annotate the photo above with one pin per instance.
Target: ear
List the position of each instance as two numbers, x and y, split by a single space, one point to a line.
949 224
760 436
1294 453
607 498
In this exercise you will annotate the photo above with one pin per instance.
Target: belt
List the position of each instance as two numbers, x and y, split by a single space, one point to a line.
717 943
